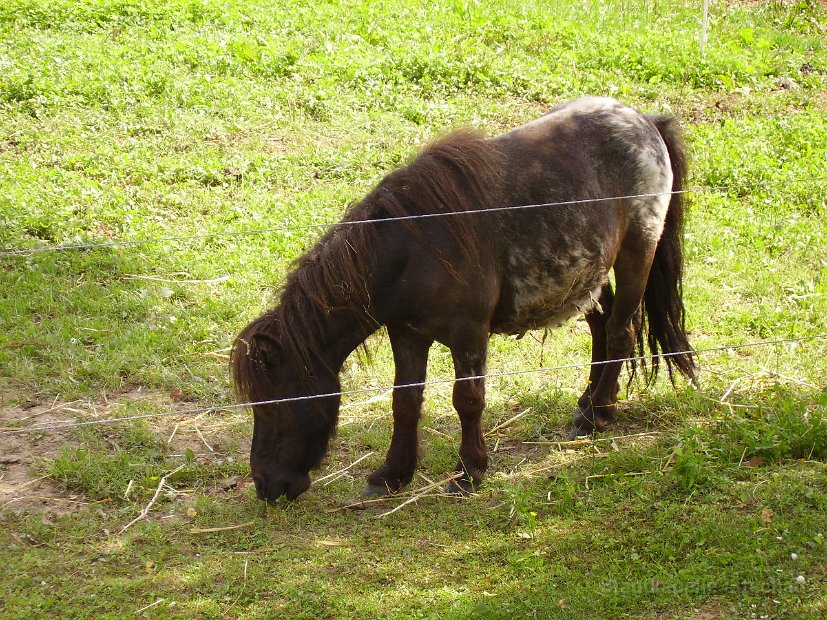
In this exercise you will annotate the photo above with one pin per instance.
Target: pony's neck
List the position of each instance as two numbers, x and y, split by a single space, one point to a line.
345 333
325 305
326 335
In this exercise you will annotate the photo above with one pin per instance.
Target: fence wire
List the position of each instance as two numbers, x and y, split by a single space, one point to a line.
58 426
283 229
300 227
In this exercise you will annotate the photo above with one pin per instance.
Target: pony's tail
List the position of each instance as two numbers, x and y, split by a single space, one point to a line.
664 314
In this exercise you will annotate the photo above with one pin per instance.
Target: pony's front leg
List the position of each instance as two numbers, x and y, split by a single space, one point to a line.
410 356
469 355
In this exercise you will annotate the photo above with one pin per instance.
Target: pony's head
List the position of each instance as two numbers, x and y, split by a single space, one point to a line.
291 435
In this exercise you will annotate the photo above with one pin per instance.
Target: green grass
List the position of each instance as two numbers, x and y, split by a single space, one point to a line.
130 120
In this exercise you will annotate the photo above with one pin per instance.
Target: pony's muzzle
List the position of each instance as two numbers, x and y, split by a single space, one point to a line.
273 488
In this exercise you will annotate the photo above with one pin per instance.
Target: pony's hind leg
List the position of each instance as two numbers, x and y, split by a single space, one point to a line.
631 274
410 356
469 355
597 320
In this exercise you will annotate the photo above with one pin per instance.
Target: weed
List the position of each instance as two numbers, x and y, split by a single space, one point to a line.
689 461
522 512
783 426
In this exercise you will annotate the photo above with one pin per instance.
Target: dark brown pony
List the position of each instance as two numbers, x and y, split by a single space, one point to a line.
479 270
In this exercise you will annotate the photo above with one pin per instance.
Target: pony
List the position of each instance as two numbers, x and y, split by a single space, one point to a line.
460 244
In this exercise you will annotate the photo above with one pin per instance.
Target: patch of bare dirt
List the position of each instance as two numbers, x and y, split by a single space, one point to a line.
26 441
21 489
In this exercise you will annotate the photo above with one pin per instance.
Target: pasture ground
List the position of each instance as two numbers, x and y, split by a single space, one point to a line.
130 120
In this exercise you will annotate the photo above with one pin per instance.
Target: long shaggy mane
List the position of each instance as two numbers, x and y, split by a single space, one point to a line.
456 173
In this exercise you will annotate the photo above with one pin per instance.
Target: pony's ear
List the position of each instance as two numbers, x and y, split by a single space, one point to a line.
267 349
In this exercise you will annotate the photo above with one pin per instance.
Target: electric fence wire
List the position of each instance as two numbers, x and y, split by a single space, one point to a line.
546 370
293 228
58 426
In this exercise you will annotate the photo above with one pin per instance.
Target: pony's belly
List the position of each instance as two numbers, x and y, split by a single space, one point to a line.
551 307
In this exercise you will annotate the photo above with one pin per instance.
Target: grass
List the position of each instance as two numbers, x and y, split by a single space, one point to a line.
129 120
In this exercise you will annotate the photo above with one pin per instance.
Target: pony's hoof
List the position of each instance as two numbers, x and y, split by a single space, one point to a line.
460 486
583 426
578 432
356 504
374 491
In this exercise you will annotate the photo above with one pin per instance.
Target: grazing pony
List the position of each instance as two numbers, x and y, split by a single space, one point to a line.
441 259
